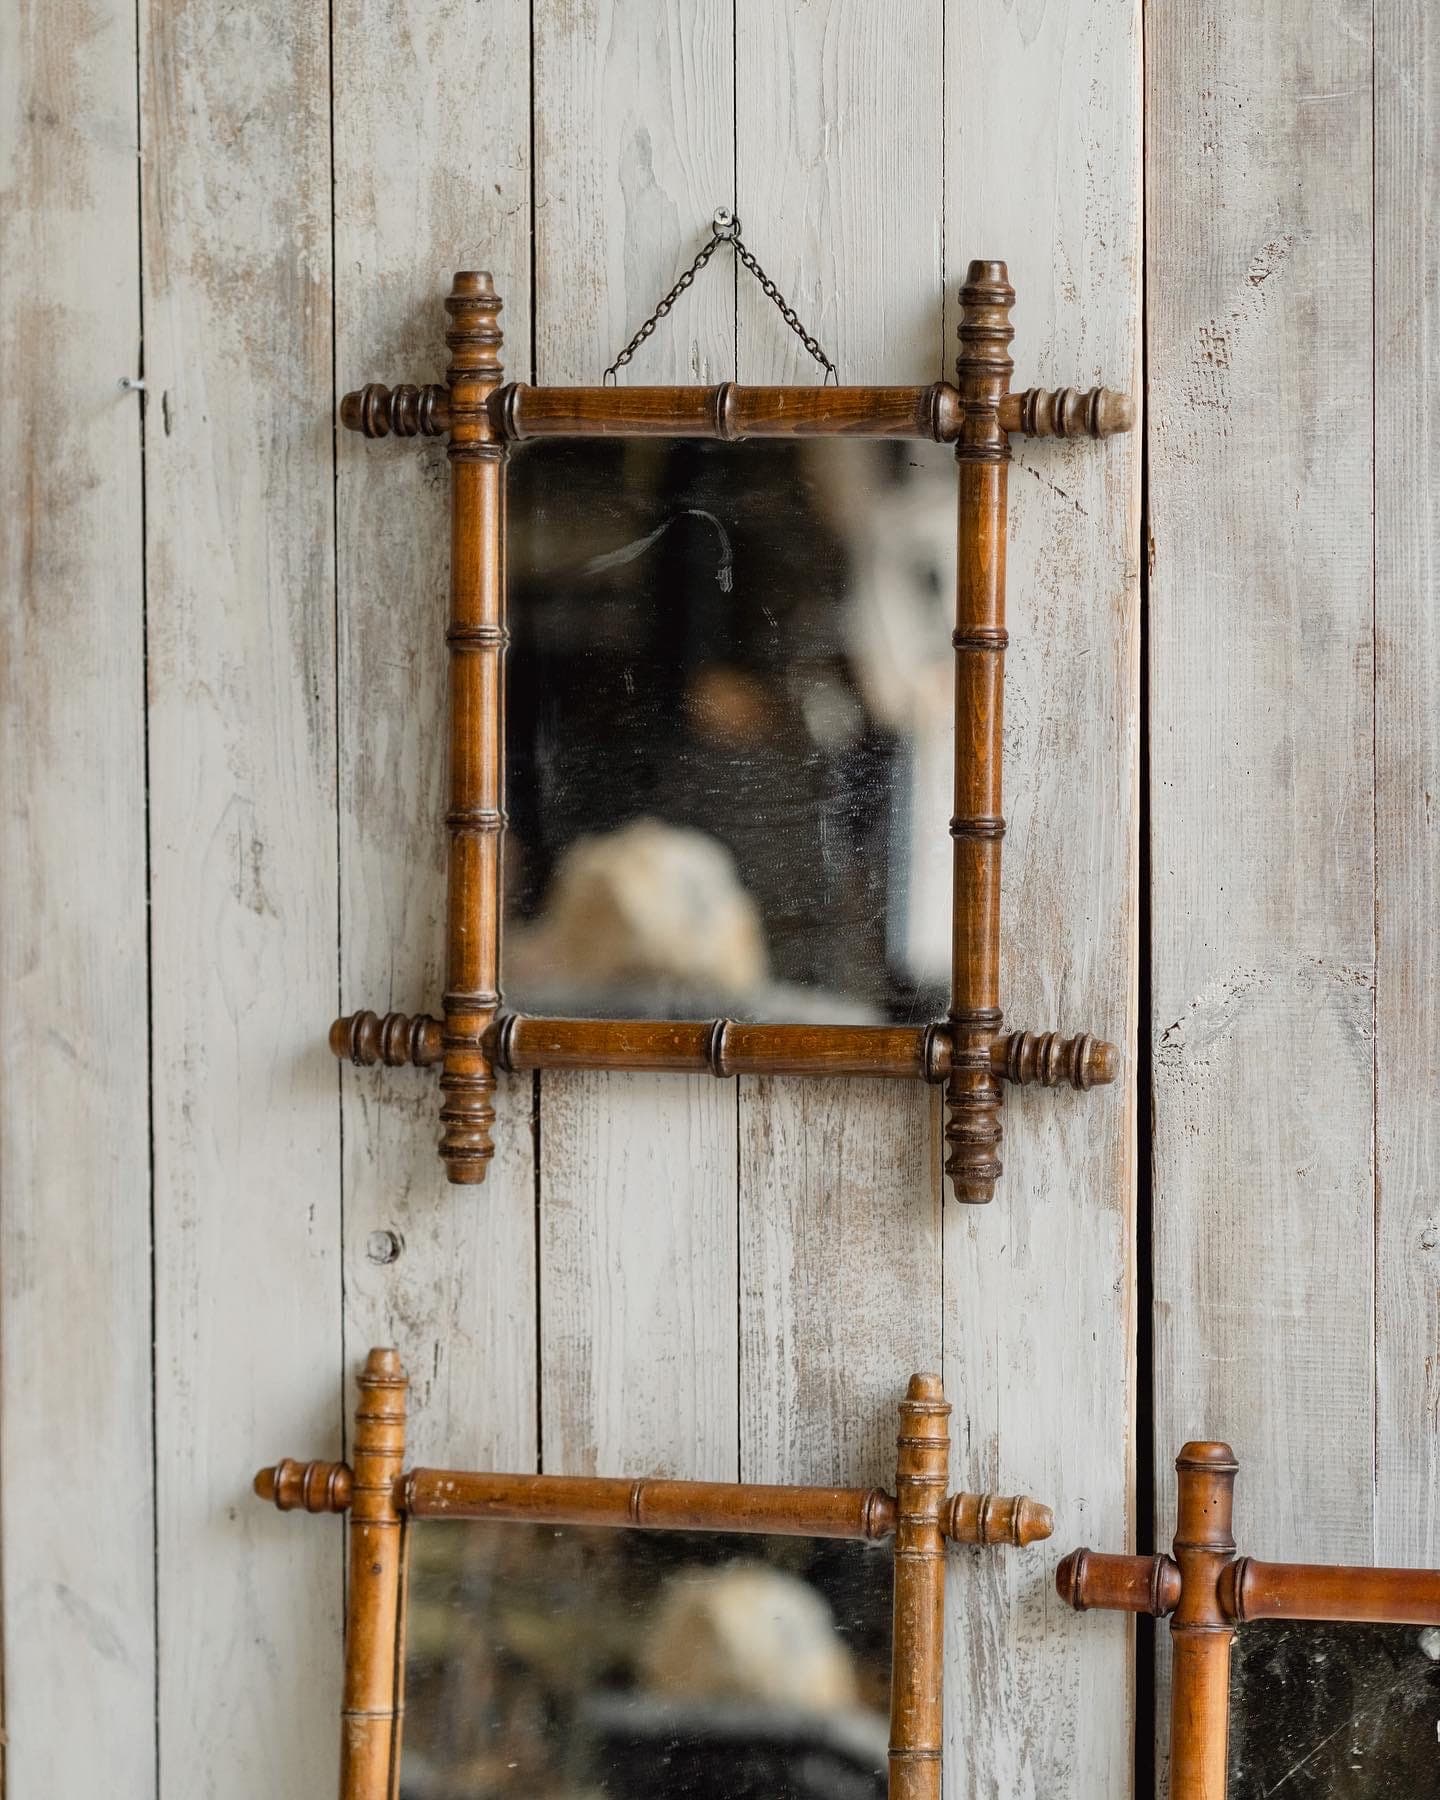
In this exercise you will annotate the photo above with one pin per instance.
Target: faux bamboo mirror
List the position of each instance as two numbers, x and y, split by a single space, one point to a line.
564 1638
732 802
1333 1691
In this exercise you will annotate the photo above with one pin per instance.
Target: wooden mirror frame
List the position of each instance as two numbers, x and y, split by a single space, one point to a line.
1208 1594
382 1499
967 1050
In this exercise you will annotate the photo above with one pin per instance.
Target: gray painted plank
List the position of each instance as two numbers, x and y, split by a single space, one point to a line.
444 1273
74 1105
240 544
1040 1287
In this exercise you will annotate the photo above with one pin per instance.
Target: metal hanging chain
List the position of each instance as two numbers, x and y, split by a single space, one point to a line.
726 230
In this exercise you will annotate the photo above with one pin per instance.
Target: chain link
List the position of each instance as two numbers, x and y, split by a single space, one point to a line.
726 231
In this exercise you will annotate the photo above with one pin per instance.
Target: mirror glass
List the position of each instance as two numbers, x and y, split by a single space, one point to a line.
729 730
564 1663
1334 1712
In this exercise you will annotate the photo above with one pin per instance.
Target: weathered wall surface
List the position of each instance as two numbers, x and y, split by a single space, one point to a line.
223 772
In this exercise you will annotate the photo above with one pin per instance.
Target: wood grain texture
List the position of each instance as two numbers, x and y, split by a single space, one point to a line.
437 184
633 153
1407 780
637 1239
638 1276
74 1152
1262 764
240 542
1040 1288
839 1270
1262 758
839 1179
838 187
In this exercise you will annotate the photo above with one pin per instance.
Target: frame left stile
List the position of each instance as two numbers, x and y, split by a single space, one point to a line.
968 1051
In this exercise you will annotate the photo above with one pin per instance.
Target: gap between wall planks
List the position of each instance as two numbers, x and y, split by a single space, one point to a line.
1407 779
77 1578
1040 1298
1262 692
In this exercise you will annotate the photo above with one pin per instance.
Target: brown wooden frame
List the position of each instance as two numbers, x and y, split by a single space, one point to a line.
967 1050
382 1499
1208 1594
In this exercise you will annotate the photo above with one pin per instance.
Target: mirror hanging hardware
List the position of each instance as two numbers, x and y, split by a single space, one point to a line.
725 229
1208 1594
967 1051
383 1500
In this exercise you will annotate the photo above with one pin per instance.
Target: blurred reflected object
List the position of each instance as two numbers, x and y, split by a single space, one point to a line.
573 1663
748 1632
650 906
750 642
729 706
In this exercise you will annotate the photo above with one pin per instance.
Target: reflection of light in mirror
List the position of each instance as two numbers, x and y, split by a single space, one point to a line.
1334 1712
567 1664
729 729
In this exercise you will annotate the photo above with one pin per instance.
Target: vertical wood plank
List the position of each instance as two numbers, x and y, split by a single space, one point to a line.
1040 1285
1407 776
237 241
839 174
77 1577
1262 764
444 1274
638 1263
633 152
840 1272
839 1190
1262 767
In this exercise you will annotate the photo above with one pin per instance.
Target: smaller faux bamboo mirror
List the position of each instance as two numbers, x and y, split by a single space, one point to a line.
574 1637
1335 1713
753 729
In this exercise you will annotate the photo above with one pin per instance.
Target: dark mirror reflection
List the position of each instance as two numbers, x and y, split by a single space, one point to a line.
729 728
1335 1712
570 1663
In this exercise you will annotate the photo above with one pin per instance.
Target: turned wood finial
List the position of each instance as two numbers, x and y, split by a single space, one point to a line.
996 1519
474 339
922 1462
984 367
1200 1633
317 1487
1138 1584
1072 412
364 1038
380 1418
374 1674
376 410
1046 1059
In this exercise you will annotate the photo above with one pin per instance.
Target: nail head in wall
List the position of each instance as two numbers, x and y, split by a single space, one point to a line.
384 1246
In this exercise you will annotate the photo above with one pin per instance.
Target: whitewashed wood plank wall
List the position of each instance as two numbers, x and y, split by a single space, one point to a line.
1293 292
222 774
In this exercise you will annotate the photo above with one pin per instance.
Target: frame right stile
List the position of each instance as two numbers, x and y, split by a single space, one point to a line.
472 1040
